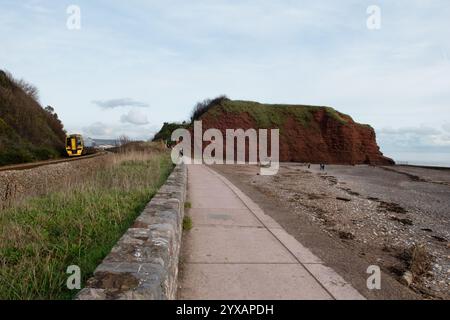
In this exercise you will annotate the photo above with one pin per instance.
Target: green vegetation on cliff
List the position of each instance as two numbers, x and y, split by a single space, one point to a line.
270 115
265 115
165 134
28 132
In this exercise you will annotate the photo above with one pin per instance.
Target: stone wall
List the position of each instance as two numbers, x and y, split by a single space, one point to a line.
144 263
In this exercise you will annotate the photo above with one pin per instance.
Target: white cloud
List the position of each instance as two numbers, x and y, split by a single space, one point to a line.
414 139
36 6
135 116
421 131
118 103
446 126
100 130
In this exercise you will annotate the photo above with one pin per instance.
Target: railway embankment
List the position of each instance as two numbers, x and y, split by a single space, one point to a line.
18 185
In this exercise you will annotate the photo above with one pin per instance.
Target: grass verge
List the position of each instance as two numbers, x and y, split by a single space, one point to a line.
76 226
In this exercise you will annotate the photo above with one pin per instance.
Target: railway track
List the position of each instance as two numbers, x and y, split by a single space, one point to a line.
32 165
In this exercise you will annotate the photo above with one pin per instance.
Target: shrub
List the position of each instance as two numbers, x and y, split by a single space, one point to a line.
202 107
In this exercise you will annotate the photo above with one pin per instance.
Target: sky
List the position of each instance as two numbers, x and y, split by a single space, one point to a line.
132 65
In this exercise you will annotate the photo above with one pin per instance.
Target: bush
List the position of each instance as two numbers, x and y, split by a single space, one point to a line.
202 107
45 153
15 155
165 134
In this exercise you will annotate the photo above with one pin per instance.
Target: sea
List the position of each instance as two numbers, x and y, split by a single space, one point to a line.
439 164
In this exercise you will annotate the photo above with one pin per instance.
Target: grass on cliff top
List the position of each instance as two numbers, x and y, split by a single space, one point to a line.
165 134
270 115
79 226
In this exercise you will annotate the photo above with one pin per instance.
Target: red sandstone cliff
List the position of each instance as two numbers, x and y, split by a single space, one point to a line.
307 133
324 137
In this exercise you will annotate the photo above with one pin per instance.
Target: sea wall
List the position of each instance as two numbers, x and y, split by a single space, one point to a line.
144 263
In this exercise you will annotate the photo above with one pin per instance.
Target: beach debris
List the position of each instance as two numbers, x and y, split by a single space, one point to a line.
343 199
346 235
439 238
417 259
407 278
404 221
314 196
391 207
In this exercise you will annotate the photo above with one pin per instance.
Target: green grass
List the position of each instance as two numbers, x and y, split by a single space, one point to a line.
187 223
165 133
187 205
78 226
273 115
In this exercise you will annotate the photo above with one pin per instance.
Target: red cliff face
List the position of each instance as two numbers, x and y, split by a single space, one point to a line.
324 136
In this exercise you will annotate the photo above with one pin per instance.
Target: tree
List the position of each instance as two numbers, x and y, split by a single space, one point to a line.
50 109
203 106
29 89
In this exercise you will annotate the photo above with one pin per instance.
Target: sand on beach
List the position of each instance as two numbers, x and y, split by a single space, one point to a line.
379 213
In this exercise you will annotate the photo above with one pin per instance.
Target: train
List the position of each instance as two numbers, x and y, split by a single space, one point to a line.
76 146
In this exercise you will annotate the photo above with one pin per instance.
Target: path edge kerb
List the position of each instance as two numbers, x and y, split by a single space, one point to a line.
143 265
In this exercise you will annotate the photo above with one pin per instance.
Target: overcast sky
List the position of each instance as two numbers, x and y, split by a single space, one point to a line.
136 64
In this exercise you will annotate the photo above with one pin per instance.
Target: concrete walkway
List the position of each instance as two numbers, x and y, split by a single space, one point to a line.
235 251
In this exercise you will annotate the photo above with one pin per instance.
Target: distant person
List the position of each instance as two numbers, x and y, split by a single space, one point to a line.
309 165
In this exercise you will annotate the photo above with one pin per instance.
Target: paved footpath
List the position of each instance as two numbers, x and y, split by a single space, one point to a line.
236 251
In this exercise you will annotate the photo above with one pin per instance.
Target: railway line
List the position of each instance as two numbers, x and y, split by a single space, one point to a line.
25 166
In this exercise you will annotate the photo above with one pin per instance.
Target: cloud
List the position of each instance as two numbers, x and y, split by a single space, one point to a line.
118 103
100 130
35 6
446 126
136 117
422 131
423 139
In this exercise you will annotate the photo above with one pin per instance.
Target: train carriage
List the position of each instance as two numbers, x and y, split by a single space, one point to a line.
75 145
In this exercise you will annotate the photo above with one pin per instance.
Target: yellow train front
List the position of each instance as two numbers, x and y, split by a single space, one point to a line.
75 145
